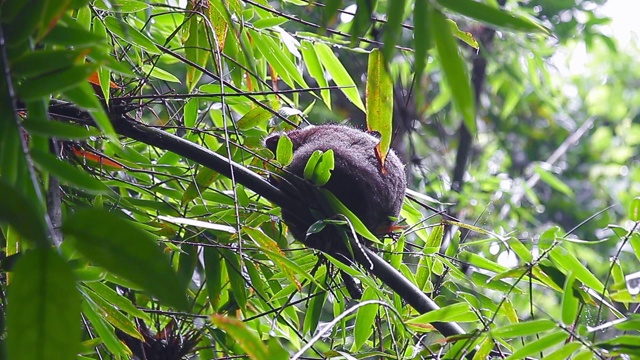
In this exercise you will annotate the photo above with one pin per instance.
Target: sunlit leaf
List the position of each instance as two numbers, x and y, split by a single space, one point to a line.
339 74
494 16
365 317
380 104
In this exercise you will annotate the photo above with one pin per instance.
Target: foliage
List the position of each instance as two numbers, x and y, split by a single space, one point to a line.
132 227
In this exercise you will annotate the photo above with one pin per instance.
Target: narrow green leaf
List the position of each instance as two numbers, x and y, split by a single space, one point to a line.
105 331
323 169
284 150
553 181
339 208
314 310
634 209
538 346
213 269
379 98
454 68
112 314
460 312
67 173
569 301
188 259
526 328
421 37
53 83
393 27
22 214
130 34
365 317
121 6
52 13
494 16
43 312
191 112
258 117
310 167
236 280
339 74
110 241
158 73
118 300
241 335
279 59
37 63
315 69
362 20
569 262
65 35
59 130
564 352
204 178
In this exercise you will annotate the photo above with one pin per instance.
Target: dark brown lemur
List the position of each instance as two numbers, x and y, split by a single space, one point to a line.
358 181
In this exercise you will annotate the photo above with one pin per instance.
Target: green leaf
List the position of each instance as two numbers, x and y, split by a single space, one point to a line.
52 83
130 34
570 263
65 35
454 68
37 63
258 117
421 37
59 130
460 312
526 328
22 214
121 6
204 178
393 27
118 300
158 73
339 74
339 208
105 331
569 301
564 352
553 181
494 16
112 314
312 62
362 19
278 58
121 247
241 335
43 311
540 345
380 103
310 167
314 310
213 273
236 280
634 209
365 317
67 173
284 150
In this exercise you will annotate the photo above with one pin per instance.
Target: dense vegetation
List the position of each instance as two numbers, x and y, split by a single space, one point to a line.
137 219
